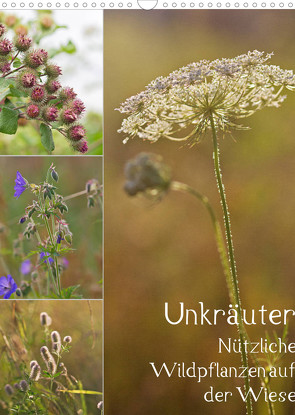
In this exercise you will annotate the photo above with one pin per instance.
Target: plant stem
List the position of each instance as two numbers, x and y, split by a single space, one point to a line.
221 247
55 259
15 70
236 296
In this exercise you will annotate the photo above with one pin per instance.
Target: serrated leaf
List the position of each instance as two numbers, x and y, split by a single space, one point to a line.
69 291
46 137
8 121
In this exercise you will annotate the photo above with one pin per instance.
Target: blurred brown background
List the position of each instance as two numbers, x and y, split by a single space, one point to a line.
166 252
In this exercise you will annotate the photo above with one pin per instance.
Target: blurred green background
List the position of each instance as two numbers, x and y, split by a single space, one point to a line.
80 319
85 262
166 252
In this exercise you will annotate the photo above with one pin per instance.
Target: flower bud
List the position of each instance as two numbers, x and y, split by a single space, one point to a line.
21 30
18 292
6 47
54 175
8 389
35 58
90 201
24 385
68 116
22 43
34 275
23 219
100 405
68 339
78 106
53 71
33 363
52 86
35 372
69 239
50 114
45 320
146 173
26 79
2 29
33 111
55 337
66 94
46 21
38 94
76 132
10 20
80 146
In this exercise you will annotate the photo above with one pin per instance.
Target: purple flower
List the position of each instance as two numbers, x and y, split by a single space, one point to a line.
7 286
65 262
45 255
20 185
25 267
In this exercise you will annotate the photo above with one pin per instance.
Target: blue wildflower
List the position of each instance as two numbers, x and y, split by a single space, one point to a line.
7 286
25 267
59 238
45 255
20 185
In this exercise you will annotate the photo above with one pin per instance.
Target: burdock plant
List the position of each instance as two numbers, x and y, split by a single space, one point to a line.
208 97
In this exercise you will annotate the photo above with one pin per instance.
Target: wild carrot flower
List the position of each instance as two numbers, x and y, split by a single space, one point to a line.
7 286
182 105
20 185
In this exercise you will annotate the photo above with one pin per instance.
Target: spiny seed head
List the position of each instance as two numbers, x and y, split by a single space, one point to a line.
186 103
68 339
21 30
8 389
66 94
2 29
147 174
26 79
6 47
53 71
50 113
45 320
80 146
35 372
78 106
4 65
22 43
38 94
48 359
32 111
35 58
46 21
76 132
10 20
24 385
68 116
52 86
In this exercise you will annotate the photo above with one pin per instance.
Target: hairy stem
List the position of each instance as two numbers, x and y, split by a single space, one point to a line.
221 247
235 294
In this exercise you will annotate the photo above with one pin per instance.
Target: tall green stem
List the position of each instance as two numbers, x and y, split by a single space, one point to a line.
229 240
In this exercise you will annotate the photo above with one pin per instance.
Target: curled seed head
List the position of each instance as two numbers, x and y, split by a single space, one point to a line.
45 320
8 389
68 339
24 385
48 359
35 372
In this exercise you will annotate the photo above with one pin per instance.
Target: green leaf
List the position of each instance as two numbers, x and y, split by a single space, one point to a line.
8 121
69 291
16 92
4 88
46 137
